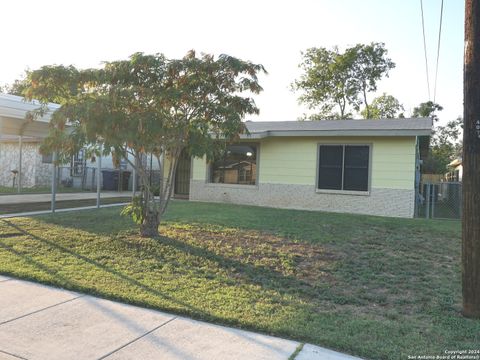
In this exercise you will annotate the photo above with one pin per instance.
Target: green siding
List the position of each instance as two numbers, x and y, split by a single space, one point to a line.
294 160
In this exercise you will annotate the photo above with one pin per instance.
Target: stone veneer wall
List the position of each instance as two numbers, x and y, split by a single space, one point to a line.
34 172
380 201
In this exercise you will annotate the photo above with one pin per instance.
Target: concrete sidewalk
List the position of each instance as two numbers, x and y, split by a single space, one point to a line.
41 322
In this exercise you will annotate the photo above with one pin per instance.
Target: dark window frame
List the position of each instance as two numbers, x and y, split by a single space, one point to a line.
342 190
210 170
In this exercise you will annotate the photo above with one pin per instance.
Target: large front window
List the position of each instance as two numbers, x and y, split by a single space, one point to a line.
343 167
236 165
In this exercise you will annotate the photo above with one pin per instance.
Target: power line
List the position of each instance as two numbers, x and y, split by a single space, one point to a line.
438 51
425 49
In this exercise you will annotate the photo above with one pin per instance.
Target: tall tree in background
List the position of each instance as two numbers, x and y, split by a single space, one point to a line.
327 83
445 146
471 163
383 107
370 66
17 87
334 80
432 164
148 104
427 109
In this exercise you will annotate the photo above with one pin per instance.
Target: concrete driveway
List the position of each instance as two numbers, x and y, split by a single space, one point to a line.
26 198
41 322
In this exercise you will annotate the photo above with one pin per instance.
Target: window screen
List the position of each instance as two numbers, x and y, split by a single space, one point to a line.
330 167
343 167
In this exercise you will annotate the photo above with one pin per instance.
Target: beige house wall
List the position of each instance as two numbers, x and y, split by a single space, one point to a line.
287 170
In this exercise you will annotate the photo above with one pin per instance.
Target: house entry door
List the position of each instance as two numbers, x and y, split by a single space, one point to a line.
182 176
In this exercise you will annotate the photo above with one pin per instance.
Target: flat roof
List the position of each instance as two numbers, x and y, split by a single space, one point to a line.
381 127
17 107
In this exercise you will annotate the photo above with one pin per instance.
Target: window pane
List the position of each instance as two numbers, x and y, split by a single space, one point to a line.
237 166
330 167
356 156
356 168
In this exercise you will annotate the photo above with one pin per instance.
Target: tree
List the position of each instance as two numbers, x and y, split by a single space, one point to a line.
445 146
370 66
427 109
148 104
327 82
332 79
383 107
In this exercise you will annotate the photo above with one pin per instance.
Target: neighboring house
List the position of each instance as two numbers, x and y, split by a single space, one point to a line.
456 171
354 166
36 169
20 157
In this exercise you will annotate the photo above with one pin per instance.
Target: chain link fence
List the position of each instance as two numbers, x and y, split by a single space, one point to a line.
440 200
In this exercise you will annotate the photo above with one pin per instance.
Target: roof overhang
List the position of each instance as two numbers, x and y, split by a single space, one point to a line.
337 133
13 117
337 128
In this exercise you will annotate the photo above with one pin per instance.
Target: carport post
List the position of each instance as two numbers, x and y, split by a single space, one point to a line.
99 173
54 180
134 179
19 175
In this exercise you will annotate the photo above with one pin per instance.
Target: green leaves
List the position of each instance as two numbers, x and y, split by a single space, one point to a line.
148 104
134 210
338 80
383 107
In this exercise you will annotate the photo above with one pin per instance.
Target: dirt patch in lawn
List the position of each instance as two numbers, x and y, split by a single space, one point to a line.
312 264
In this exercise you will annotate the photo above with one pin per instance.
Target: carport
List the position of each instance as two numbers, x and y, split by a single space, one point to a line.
15 126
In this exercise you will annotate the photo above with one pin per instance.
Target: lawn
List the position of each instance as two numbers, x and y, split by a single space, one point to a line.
380 288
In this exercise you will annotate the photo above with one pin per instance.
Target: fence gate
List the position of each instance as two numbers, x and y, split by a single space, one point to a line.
440 200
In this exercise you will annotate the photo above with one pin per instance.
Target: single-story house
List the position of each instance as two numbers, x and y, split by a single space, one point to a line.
354 166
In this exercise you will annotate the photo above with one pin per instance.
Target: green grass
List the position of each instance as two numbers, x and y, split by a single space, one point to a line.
375 287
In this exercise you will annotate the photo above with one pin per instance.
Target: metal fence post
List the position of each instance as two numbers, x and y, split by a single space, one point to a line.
54 180
427 204
99 172
434 195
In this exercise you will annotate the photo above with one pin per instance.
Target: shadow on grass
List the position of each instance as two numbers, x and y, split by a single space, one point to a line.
67 282
263 276
255 274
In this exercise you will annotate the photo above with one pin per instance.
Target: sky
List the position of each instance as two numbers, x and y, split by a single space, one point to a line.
273 33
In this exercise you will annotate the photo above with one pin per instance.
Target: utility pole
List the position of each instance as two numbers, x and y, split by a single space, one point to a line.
471 163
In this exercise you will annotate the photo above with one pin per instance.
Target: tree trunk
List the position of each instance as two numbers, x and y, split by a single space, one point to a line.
471 163
149 226
366 104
